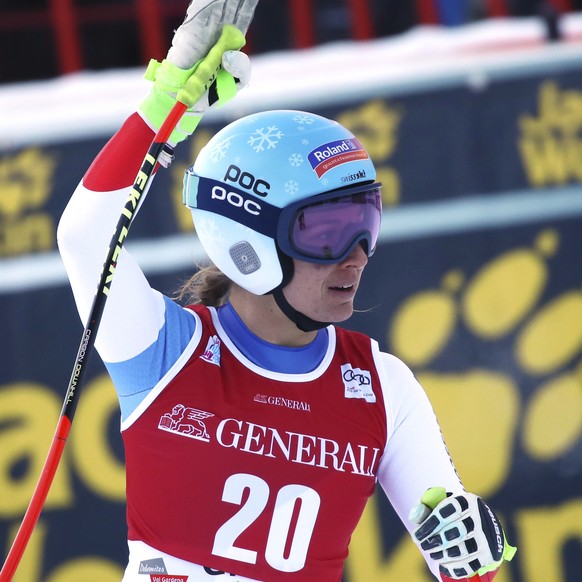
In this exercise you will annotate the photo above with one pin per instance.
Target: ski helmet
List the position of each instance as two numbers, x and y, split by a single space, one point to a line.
278 185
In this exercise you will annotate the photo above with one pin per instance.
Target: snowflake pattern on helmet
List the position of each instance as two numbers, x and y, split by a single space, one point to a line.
296 160
303 119
260 163
219 150
207 228
249 119
291 187
269 137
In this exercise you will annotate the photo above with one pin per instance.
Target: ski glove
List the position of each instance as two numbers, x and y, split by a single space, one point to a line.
192 40
168 80
461 533
202 27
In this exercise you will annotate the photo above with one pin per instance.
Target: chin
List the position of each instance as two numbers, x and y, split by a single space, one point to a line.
342 315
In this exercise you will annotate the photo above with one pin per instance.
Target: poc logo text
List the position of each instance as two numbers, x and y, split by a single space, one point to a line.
247 181
236 199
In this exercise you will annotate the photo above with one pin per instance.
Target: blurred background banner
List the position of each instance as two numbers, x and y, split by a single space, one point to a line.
476 131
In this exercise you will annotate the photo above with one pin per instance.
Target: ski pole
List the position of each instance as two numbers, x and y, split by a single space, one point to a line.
230 39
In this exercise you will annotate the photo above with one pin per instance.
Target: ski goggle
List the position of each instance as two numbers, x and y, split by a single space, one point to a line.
328 227
322 229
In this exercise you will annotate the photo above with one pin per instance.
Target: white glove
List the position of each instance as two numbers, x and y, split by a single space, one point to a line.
461 533
202 26
192 41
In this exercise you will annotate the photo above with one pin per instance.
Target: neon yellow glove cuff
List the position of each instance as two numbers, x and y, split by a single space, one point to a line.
508 553
168 80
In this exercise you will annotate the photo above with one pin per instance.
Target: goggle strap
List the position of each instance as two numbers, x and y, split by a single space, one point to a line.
230 202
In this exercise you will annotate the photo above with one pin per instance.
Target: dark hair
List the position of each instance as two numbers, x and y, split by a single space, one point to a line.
208 286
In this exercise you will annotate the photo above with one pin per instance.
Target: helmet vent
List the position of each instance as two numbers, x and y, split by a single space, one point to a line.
244 257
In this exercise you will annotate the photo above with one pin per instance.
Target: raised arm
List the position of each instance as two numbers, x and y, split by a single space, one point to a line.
134 313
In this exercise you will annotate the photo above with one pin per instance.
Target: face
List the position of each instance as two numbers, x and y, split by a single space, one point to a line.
326 292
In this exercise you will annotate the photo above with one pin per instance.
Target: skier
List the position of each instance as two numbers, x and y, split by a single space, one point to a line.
296 419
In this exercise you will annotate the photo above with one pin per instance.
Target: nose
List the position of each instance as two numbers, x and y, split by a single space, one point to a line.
357 258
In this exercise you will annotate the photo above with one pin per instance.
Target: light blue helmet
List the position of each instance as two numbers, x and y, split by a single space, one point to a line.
249 180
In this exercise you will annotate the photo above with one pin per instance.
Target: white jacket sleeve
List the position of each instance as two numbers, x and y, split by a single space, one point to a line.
415 457
134 313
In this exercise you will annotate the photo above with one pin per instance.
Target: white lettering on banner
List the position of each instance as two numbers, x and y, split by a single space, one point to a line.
295 447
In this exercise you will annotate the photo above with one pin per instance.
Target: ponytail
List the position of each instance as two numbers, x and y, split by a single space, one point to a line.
208 286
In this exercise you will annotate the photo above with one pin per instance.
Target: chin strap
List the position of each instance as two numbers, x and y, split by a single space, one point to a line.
303 322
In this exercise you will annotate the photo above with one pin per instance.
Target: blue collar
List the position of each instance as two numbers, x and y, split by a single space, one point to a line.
282 359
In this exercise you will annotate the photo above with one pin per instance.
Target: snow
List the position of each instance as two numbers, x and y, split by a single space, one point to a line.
95 103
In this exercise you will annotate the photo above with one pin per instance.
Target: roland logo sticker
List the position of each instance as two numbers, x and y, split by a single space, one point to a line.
334 153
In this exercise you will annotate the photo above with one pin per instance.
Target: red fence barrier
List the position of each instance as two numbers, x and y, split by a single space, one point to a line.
64 22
